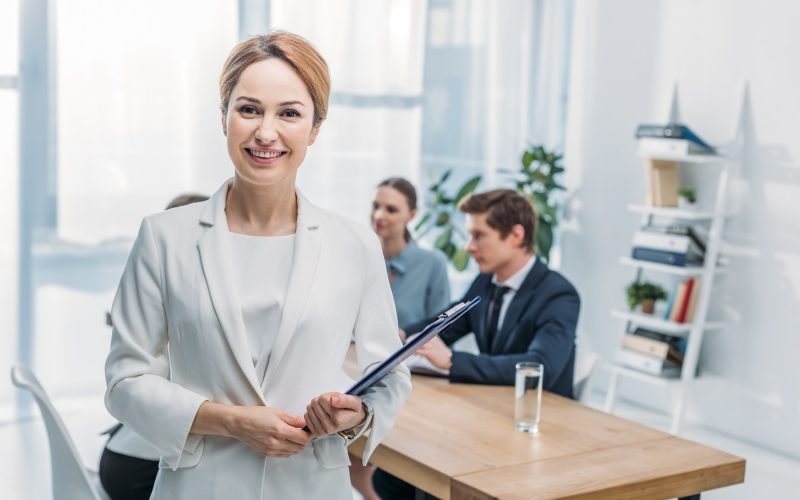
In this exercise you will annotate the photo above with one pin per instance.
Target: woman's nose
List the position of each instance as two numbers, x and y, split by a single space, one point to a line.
267 130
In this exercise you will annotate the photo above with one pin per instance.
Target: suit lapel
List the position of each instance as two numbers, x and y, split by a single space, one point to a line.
215 256
301 279
519 304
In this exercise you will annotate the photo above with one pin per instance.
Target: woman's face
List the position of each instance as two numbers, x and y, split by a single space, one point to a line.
390 213
269 124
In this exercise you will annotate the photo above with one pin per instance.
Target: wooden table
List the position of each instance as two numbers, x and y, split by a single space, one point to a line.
458 441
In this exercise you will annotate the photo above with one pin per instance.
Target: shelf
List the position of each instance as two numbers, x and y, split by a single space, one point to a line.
663 268
685 158
661 325
640 375
672 213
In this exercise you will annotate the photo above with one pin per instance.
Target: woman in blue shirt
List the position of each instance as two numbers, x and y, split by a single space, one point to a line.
418 277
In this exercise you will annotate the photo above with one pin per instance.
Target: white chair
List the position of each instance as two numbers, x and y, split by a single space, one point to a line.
585 363
71 479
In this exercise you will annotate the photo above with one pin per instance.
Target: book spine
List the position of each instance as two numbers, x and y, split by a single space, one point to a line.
679 298
659 256
693 301
685 303
650 347
662 241
670 301
645 363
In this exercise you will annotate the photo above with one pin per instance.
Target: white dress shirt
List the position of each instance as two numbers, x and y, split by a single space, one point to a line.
513 282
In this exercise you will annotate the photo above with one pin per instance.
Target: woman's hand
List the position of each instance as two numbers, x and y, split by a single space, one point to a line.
333 412
269 431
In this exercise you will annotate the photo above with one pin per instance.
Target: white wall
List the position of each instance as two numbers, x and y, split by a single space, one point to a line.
627 55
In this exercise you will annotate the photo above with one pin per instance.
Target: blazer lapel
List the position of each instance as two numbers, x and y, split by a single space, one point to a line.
519 303
301 279
217 263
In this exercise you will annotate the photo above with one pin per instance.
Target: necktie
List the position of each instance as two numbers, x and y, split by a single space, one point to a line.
496 302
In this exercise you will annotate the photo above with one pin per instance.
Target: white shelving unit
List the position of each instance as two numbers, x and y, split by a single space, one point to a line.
692 332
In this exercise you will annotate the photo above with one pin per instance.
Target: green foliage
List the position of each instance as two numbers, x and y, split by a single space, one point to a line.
689 193
641 291
440 217
537 181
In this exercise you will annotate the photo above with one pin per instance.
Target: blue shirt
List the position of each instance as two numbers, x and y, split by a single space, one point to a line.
419 284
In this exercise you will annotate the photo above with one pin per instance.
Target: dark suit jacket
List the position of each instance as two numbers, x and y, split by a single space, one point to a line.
539 326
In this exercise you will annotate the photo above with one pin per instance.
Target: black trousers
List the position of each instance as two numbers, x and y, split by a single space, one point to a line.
127 478
389 487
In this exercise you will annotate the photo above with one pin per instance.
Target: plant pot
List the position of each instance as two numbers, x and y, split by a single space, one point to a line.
685 204
648 306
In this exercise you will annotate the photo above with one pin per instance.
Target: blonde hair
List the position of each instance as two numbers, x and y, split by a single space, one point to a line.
294 50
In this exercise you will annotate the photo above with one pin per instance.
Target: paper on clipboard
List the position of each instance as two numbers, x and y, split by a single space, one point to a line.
442 322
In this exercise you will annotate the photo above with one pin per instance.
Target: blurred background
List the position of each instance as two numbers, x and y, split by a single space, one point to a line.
109 109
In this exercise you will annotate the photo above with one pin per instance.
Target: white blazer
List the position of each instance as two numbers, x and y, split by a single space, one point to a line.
179 339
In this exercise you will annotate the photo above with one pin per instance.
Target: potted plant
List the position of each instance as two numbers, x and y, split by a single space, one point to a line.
686 198
646 294
537 180
440 217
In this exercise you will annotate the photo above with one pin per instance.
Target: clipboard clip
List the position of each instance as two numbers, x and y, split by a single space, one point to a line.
452 310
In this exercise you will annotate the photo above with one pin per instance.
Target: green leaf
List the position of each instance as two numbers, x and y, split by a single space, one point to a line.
527 159
444 177
442 219
449 250
444 238
422 221
544 240
460 259
467 188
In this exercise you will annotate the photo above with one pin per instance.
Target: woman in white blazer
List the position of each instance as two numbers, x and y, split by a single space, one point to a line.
234 316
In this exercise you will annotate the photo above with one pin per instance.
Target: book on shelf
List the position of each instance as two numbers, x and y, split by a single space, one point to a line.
650 146
670 242
646 363
657 348
679 229
663 182
677 304
682 301
665 257
673 131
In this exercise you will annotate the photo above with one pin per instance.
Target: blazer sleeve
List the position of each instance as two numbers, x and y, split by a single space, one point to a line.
375 334
551 345
138 392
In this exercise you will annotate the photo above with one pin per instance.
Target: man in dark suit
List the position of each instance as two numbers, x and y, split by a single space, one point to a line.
528 312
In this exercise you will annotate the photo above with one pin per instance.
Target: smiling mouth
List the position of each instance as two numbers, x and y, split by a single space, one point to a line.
264 155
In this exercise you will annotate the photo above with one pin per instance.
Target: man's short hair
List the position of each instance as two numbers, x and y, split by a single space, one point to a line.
504 208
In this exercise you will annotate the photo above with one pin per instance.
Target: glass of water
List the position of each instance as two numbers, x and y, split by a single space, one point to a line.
528 396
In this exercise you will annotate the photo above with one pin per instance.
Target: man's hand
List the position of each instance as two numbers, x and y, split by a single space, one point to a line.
333 412
437 353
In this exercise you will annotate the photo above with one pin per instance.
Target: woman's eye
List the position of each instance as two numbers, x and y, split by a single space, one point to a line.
291 113
248 110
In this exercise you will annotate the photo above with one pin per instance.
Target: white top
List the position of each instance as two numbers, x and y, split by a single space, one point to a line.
513 282
261 275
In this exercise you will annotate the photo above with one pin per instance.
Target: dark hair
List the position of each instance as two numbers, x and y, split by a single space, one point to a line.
504 209
407 190
186 199
292 49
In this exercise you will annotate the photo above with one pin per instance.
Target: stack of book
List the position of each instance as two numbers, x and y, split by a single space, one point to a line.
672 139
674 245
652 352
682 301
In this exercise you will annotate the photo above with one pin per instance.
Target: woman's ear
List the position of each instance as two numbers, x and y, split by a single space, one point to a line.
411 214
313 135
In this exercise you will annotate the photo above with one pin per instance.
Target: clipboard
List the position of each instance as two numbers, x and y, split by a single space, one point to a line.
442 322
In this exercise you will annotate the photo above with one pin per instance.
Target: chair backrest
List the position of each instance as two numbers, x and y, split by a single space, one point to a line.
70 479
585 362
